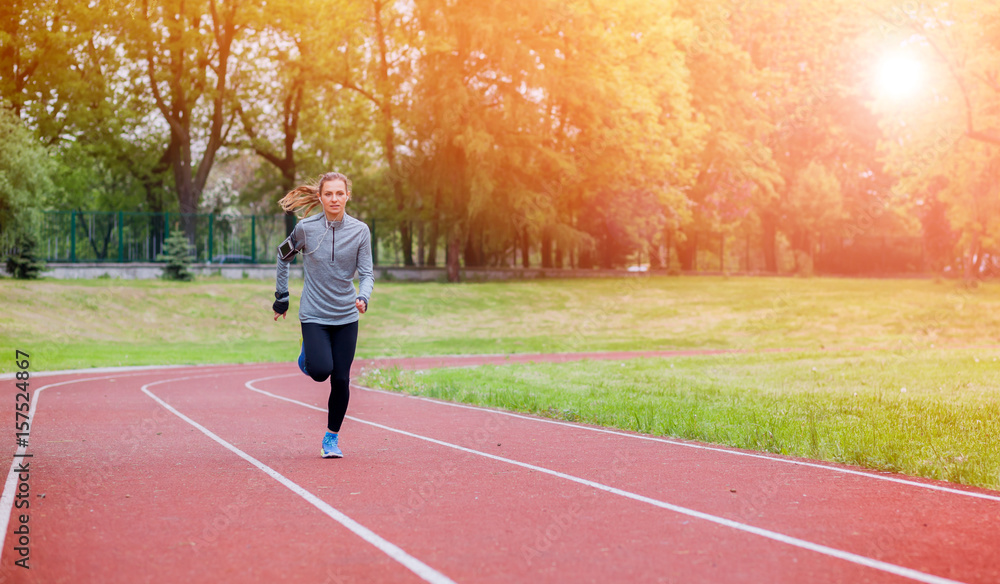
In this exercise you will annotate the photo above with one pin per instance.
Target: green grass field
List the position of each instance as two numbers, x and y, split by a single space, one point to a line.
113 322
927 413
830 400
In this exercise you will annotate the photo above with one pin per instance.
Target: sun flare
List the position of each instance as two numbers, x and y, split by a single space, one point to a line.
899 76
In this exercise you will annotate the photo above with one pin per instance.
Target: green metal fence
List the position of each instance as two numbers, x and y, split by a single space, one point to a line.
94 236
123 237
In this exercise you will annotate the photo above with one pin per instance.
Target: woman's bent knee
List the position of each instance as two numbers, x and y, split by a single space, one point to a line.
319 375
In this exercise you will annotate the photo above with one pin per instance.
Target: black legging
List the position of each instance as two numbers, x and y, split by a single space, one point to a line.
329 353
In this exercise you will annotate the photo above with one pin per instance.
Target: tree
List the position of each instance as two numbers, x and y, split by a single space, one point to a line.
814 204
23 264
35 41
944 139
25 172
550 111
735 170
187 50
802 49
940 240
177 254
294 111
636 129
390 71
61 73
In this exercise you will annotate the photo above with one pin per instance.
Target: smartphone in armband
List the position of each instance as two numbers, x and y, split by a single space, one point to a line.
286 251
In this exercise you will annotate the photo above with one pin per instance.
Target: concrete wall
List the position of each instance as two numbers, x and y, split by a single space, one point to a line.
149 271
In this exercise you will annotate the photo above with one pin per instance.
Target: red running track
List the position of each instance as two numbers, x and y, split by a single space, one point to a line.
213 474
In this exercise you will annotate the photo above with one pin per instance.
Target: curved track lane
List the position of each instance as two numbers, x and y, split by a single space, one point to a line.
208 474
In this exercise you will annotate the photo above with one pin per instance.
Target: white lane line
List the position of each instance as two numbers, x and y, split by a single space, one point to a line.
890 479
419 568
766 533
127 369
690 445
10 485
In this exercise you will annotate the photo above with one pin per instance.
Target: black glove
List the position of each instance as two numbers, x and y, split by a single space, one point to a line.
280 306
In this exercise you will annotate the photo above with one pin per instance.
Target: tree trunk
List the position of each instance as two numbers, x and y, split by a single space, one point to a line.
190 178
585 259
473 250
405 238
188 208
454 248
604 254
432 244
970 263
654 255
420 244
406 241
769 231
525 249
546 248
670 246
746 251
687 252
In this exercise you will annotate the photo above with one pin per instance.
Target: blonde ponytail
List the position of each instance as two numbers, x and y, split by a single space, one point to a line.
307 196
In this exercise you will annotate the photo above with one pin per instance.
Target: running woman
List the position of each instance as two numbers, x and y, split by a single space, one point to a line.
333 246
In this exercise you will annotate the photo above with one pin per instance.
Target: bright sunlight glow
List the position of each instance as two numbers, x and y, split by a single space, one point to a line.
898 76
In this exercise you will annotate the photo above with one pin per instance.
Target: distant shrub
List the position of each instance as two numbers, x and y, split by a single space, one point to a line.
23 264
178 257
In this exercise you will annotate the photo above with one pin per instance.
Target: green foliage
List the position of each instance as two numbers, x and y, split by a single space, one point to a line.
63 75
177 253
23 263
584 147
92 176
587 130
942 143
25 171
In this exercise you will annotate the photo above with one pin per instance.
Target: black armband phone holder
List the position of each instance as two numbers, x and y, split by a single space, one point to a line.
287 249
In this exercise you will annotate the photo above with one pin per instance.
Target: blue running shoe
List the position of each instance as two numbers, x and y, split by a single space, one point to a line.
302 357
330 448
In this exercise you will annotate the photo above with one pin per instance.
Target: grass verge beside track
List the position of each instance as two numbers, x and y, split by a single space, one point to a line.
927 413
96 323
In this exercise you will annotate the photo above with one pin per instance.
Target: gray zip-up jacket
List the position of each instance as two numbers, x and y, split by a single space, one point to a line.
331 252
